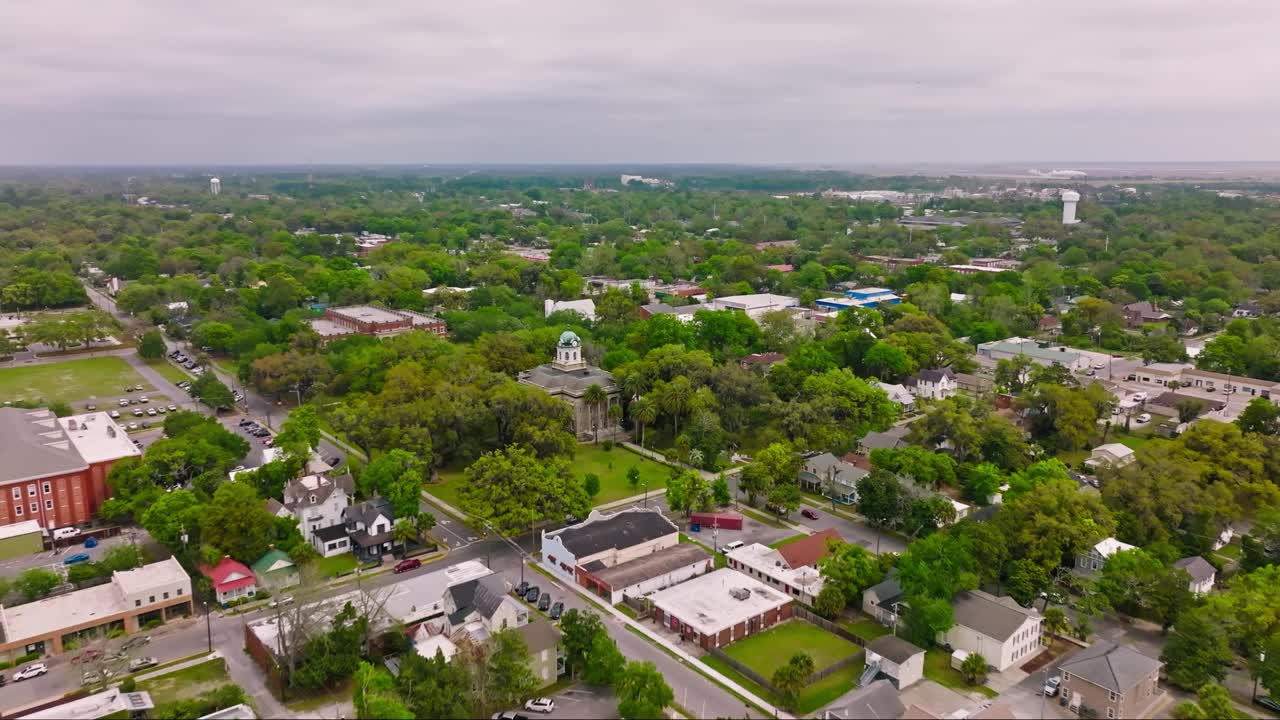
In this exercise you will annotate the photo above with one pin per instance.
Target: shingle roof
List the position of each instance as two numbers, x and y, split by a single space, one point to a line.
932 375
888 589
490 591
895 649
810 550
997 618
623 529
539 635
1197 567
826 466
298 493
877 700
333 532
1118 668
367 512
890 439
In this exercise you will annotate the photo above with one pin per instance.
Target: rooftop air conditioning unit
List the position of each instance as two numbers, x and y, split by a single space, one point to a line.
739 593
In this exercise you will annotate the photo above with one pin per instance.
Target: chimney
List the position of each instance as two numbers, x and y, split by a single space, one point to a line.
71 424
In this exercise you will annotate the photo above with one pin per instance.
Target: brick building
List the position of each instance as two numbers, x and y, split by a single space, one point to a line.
55 469
375 321
719 608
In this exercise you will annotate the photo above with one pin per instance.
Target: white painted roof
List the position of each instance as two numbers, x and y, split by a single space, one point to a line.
97 437
705 603
25 527
1110 546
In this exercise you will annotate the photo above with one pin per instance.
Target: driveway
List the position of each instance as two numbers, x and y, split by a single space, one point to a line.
1026 699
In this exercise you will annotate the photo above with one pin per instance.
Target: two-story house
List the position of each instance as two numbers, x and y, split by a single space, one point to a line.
369 526
231 580
317 503
998 628
482 605
1092 561
933 384
1202 574
1114 681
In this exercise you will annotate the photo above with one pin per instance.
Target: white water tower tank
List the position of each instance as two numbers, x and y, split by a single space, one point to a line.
215 186
1069 200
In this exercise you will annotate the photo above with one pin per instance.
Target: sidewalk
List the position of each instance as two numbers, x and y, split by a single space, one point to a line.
677 651
180 666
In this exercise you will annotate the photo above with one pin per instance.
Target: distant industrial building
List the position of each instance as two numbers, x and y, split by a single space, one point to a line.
375 321
860 297
754 305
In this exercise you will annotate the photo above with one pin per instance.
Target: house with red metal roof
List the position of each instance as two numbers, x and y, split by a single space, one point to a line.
231 580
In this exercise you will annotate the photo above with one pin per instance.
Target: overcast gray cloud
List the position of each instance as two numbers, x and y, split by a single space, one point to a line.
269 81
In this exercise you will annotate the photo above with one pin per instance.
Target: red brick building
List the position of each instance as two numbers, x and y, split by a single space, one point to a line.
54 470
376 321
720 608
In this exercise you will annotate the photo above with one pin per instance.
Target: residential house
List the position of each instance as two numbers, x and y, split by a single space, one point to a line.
998 628
894 438
683 313
368 525
792 568
317 503
275 571
878 700
1112 455
831 476
1202 573
1247 310
603 540
933 384
586 308
1114 681
1050 325
486 601
900 661
1140 313
1092 561
898 395
546 653
882 601
231 580
973 383
764 361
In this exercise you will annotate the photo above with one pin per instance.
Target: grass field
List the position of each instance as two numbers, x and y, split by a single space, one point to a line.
187 682
767 651
610 465
168 370
865 629
937 667
787 541
70 381
337 565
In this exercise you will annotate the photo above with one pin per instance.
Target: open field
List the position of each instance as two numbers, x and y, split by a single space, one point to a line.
610 465
767 651
168 371
70 381
187 682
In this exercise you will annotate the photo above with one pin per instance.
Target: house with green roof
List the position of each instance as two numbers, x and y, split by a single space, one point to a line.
276 571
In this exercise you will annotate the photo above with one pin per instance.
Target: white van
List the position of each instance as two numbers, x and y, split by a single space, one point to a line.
730 547
65 532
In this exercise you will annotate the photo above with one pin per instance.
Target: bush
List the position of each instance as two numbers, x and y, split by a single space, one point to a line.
128 685
974 669
261 594
115 633
607 445
28 658
5 665
152 624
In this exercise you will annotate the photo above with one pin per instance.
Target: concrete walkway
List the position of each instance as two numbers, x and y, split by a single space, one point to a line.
180 666
678 651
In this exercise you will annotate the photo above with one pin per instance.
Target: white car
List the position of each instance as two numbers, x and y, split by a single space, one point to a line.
30 671
281 601
1138 397
1143 418
1099 366
542 705
1051 686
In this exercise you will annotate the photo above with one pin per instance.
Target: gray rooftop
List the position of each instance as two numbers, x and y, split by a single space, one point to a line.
34 445
888 589
1118 668
650 566
895 649
539 635
573 382
997 618
877 700
1197 567
622 529
890 439
826 466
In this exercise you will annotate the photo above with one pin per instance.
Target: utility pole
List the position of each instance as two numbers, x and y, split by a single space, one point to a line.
208 625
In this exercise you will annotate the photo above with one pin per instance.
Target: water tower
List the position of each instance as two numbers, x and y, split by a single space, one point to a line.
215 185
1069 200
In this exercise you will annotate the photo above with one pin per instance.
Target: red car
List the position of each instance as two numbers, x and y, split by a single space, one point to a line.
407 564
809 514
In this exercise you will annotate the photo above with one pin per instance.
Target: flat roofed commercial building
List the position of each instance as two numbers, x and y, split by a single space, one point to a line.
18 539
375 321
647 574
133 596
54 469
719 608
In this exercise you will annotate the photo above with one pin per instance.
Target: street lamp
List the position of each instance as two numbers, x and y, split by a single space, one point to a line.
1262 658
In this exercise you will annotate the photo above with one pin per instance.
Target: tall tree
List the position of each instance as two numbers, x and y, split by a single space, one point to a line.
644 411
513 490
508 677
151 344
642 692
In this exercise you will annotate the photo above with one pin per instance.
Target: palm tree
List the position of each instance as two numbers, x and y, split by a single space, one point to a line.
675 399
614 413
403 531
695 457
644 411
1055 622
595 397
794 676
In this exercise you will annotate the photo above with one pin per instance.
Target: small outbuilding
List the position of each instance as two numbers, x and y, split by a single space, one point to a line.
895 658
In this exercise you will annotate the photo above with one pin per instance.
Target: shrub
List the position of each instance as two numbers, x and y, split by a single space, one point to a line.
152 624
28 658
128 685
607 445
5 665
974 669
115 633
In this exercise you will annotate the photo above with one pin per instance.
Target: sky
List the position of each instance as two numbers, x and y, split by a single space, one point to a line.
739 81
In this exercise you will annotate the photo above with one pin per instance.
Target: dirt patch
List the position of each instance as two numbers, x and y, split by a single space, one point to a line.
1042 659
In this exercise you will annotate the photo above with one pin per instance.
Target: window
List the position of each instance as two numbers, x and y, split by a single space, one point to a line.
1111 712
46 487
48 504
1111 696
17 510
35 508
1066 676
137 603
179 592
153 599
31 491
166 596
17 493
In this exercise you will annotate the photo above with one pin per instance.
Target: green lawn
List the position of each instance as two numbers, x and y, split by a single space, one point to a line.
337 565
771 649
610 465
787 541
937 667
1133 442
99 378
187 682
865 629
168 371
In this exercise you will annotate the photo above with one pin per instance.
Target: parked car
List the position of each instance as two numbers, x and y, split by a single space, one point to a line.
557 610
245 422
531 596
77 558
136 641
115 414
1269 703
542 705
544 602
138 413
65 532
2 680
129 389
1051 686
406 565
522 588
91 407
812 515
280 602
124 402
1143 418
144 399
30 671
93 677
132 426
730 547
509 715
151 412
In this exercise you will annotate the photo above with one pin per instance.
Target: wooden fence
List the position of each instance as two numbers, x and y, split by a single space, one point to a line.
805 614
